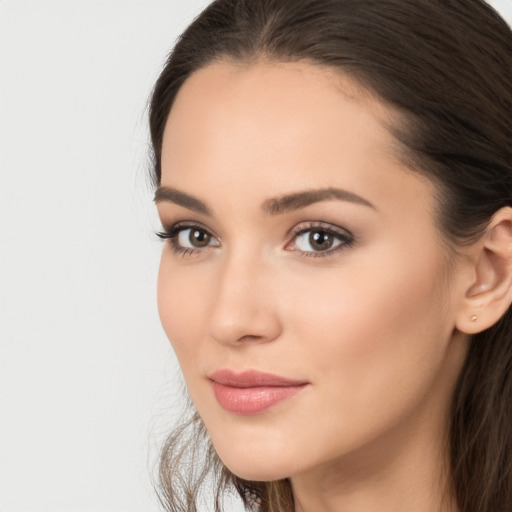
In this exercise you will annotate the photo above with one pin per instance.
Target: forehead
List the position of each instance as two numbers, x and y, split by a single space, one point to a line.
270 128
272 101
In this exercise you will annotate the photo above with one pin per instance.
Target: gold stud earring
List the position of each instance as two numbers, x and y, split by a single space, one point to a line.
474 318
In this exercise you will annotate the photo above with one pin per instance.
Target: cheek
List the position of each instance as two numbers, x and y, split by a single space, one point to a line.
180 307
361 305
374 336
374 347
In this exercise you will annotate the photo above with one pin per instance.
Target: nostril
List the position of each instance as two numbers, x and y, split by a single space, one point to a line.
250 337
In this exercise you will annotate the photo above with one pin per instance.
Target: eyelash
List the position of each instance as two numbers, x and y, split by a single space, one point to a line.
171 235
344 236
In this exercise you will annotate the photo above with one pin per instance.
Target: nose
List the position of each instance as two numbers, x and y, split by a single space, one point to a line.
244 308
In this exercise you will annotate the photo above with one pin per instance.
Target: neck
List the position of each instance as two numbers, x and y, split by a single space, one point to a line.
411 480
406 469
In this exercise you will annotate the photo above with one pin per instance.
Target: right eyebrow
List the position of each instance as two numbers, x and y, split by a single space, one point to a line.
172 195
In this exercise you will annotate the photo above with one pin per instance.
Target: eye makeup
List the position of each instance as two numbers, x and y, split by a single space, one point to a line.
188 238
315 239
329 239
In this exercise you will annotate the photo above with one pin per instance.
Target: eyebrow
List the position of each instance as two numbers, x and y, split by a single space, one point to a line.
273 206
180 198
298 200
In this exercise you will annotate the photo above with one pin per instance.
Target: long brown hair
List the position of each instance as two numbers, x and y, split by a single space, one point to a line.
446 66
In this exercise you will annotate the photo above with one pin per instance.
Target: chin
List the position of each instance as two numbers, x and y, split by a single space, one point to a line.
255 465
255 473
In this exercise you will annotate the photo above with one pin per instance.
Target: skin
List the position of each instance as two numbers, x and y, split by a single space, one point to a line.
372 327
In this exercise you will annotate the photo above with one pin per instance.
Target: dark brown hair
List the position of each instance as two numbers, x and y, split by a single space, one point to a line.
446 67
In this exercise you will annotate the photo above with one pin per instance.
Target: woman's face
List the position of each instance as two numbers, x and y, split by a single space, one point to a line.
301 247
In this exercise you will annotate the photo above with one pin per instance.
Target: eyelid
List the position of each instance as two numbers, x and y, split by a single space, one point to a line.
319 224
171 233
171 229
344 235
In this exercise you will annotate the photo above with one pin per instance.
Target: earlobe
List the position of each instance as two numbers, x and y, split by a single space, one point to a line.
489 294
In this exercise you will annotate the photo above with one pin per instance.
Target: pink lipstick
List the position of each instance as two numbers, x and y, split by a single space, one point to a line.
251 392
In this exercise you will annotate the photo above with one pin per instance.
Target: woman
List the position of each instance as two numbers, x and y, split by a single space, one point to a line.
334 181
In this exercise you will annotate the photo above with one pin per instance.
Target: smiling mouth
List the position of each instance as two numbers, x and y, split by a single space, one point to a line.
252 392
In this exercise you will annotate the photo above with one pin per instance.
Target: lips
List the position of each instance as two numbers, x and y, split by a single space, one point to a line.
252 392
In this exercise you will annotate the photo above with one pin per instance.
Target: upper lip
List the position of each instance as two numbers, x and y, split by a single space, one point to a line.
251 378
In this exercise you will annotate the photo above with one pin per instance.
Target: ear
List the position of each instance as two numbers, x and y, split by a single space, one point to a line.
489 292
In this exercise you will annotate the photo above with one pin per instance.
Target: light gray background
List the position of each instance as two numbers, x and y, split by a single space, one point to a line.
87 379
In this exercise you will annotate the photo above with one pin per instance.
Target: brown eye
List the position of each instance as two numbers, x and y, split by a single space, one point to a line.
194 238
320 240
198 238
185 240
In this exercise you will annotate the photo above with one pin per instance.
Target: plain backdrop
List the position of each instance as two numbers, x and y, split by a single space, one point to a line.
88 382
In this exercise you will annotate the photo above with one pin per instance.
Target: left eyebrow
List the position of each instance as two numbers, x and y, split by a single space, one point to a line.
298 200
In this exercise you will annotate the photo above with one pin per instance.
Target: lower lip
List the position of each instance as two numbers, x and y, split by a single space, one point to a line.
252 400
